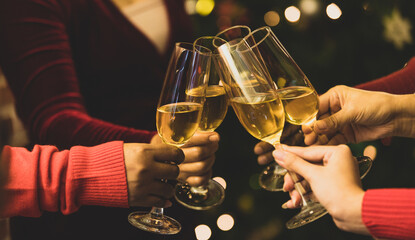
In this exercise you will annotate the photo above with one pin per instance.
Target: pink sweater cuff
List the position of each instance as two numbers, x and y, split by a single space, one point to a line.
99 175
390 213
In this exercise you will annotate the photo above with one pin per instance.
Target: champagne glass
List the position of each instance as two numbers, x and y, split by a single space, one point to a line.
177 119
253 95
214 112
301 104
271 178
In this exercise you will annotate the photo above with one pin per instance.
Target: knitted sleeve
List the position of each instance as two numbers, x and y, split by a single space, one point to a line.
46 179
390 213
399 82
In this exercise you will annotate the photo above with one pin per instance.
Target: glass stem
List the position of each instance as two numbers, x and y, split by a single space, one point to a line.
156 213
297 183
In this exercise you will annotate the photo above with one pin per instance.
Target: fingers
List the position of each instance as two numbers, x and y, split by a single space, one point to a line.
202 138
199 180
291 158
197 168
168 154
165 171
264 150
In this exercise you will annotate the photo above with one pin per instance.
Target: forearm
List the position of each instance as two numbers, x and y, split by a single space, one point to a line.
46 179
404 115
67 128
389 213
399 82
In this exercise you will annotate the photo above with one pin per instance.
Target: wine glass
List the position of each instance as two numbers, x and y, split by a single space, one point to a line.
214 112
177 119
234 33
301 104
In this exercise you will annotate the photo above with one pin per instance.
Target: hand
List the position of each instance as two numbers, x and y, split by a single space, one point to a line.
146 165
199 154
333 175
349 115
291 135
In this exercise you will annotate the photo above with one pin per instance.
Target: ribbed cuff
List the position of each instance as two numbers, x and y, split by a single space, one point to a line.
99 174
390 213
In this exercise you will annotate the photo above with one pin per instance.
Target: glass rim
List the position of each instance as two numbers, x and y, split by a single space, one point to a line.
190 47
211 51
234 27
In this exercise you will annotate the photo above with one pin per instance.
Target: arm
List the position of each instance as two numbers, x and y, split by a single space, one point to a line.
399 82
389 213
36 58
45 179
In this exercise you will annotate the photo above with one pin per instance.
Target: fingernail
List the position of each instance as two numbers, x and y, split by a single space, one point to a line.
284 206
214 138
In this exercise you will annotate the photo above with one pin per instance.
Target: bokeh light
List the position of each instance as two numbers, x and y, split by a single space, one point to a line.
225 222
272 18
370 151
309 6
204 7
190 6
333 11
221 181
292 14
246 203
203 232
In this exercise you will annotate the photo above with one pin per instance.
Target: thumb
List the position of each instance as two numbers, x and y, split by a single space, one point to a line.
294 163
332 123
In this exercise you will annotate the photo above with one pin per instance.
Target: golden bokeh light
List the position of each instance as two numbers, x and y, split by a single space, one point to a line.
292 14
225 222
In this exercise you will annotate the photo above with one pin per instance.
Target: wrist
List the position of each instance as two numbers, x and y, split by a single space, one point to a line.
404 112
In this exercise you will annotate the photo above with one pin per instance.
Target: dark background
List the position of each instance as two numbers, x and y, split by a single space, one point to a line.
348 51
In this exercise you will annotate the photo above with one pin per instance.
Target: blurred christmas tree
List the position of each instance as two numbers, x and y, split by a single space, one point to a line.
347 43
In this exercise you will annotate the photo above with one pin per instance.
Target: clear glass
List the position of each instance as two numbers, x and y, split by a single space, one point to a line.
301 104
178 118
253 97
235 33
214 111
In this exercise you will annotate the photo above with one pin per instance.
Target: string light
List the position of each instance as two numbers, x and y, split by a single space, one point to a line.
204 7
221 181
203 232
370 151
190 6
292 14
225 222
272 18
333 11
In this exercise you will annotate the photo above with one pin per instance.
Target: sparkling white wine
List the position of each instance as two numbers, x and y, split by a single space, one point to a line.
214 108
263 117
177 122
300 104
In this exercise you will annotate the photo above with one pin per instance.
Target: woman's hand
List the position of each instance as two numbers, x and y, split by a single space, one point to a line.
291 135
333 176
199 152
350 115
146 165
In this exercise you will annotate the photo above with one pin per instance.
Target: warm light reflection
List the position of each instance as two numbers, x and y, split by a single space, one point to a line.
204 7
292 14
370 151
272 18
333 11
309 6
221 181
225 222
203 232
246 203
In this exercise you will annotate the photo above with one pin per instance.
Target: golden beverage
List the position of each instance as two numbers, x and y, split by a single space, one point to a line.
263 118
300 104
177 122
214 108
